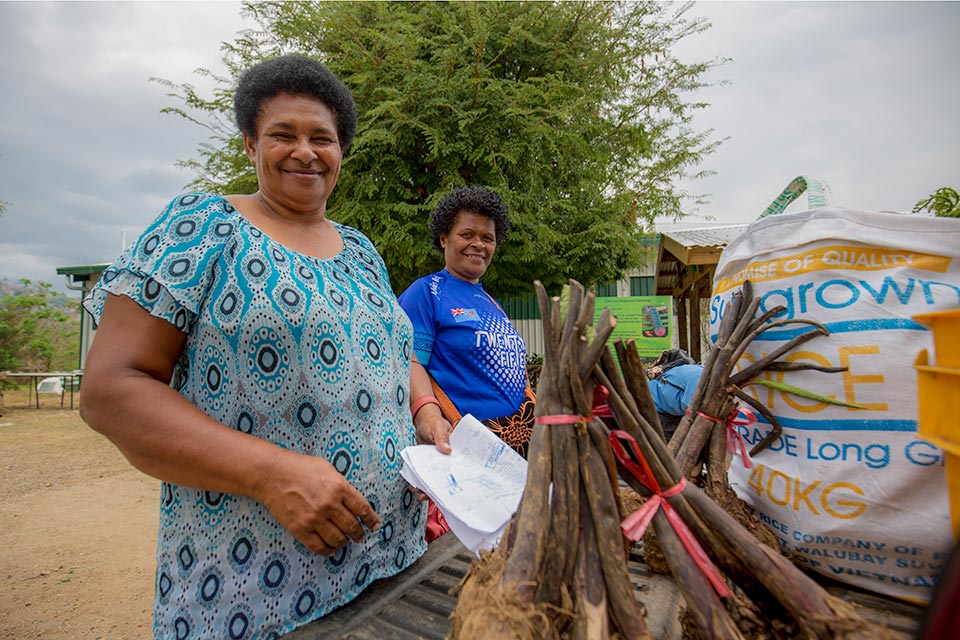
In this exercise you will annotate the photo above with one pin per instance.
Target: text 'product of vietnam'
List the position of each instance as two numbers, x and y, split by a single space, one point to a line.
938 391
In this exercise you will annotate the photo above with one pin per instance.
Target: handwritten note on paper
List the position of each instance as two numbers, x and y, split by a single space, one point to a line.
477 487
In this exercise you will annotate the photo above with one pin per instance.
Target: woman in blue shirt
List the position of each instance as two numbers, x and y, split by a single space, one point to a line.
462 337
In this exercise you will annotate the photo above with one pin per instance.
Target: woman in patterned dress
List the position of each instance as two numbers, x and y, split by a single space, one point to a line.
250 353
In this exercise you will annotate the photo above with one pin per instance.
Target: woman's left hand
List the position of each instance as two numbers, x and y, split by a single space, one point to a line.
433 428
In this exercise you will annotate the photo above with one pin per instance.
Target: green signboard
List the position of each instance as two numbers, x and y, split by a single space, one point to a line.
646 319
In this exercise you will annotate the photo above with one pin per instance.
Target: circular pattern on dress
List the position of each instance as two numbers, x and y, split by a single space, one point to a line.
338 299
151 289
305 603
363 401
229 308
385 534
325 357
407 500
179 268
223 229
401 395
305 273
183 626
209 592
267 359
388 446
151 244
360 578
164 583
228 304
242 551
180 320
239 622
344 454
276 572
213 506
336 562
245 422
256 268
215 380
340 273
370 339
185 228
290 297
376 301
306 415
186 558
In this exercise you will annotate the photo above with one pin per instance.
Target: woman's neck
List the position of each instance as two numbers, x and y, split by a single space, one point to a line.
311 234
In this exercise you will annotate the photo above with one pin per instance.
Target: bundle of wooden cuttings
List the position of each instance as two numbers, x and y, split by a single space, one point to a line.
560 569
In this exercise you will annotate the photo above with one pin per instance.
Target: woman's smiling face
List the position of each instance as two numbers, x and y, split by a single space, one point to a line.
296 152
468 247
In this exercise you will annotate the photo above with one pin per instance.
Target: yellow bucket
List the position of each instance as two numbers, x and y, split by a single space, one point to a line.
938 398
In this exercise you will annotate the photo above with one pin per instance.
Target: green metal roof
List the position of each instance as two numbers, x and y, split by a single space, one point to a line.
82 270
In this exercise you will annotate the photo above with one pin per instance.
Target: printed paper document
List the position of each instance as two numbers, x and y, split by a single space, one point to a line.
477 487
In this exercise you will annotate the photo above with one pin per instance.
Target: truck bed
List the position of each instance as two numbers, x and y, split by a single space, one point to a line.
417 603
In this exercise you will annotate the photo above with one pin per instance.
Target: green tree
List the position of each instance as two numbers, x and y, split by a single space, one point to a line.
38 329
944 202
573 111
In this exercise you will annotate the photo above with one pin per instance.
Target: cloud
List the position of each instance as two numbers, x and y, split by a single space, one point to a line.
85 154
860 94
855 93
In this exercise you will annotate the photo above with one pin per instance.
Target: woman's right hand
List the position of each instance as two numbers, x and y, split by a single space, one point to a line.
315 503
126 396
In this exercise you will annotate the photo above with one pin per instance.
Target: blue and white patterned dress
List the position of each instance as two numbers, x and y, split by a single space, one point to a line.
311 354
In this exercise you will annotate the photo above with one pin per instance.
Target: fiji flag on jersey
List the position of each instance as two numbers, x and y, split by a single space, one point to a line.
464 315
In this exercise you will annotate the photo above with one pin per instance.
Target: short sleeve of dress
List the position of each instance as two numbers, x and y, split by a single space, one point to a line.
418 303
169 269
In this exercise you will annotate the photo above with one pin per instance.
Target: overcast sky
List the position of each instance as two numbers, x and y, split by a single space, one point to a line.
863 95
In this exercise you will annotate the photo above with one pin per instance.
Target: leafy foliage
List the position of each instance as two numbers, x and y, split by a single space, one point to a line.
572 111
944 203
38 328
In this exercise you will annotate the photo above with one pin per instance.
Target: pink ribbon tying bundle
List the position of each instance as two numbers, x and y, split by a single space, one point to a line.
734 439
636 523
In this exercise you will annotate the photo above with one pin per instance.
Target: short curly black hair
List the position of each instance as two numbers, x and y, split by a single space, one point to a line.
479 200
297 75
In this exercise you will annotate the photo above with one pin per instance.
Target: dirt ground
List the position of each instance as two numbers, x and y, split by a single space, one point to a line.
78 529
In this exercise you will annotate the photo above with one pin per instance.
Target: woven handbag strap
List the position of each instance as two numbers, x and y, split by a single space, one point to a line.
449 410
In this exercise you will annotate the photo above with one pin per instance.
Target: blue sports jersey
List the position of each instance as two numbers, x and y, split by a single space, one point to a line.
466 342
